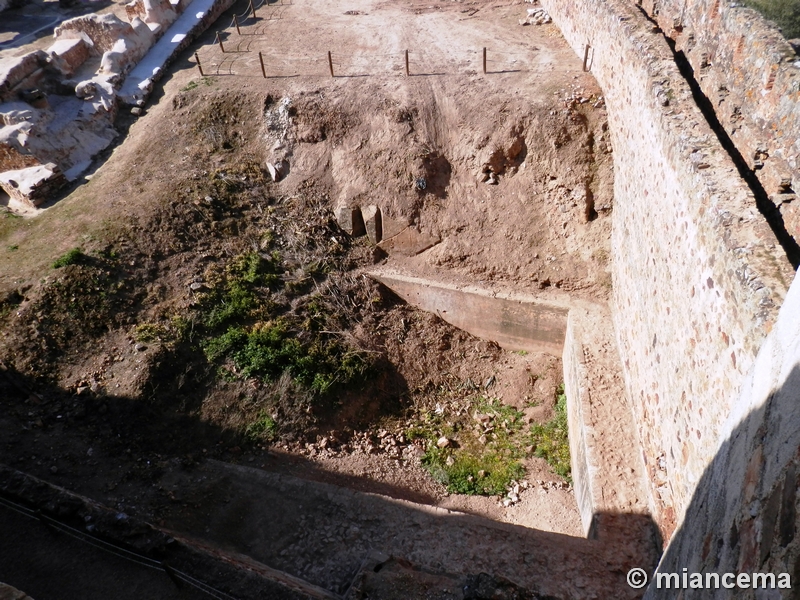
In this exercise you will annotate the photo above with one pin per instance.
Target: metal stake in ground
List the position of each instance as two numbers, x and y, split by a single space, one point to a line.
484 61
330 63
199 66
407 63
236 22
219 41
261 60
586 56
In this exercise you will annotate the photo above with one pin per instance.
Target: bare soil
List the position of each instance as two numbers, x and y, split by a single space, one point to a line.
88 406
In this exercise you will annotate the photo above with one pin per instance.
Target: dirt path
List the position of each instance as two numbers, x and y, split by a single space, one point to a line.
323 534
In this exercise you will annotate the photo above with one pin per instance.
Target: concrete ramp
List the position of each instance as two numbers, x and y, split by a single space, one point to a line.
514 322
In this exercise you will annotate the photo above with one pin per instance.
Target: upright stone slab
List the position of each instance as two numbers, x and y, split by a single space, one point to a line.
372 223
350 220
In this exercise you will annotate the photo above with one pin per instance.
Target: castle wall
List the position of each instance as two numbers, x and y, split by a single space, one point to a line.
751 75
743 514
698 275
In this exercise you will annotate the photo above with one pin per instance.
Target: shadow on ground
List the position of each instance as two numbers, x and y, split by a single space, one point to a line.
154 463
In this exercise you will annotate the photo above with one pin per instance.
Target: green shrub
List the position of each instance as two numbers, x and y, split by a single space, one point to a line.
247 333
73 257
270 349
472 465
263 428
785 14
240 292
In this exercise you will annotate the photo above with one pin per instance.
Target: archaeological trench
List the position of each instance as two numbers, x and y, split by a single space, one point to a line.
398 299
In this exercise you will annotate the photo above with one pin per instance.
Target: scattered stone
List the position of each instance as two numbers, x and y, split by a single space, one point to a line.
140 347
443 442
536 16
54 469
273 171
196 286
136 111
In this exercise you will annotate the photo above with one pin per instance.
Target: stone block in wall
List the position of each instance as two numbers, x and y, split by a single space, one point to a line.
159 12
128 51
34 185
391 226
409 242
790 211
20 71
134 9
69 54
103 30
15 113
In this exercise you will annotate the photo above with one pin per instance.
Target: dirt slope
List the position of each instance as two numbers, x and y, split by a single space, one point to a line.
108 379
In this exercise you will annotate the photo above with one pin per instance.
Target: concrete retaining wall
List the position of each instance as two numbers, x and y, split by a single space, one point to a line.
698 275
514 323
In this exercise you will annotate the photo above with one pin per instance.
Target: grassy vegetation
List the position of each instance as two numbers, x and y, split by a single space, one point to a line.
195 83
170 333
550 440
482 456
72 257
485 473
486 442
263 427
242 291
254 336
785 14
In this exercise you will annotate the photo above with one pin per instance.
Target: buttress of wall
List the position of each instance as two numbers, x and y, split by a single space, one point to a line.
751 75
698 275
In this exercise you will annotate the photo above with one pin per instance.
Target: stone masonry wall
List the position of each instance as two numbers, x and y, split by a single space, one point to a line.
743 517
751 75
698 275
